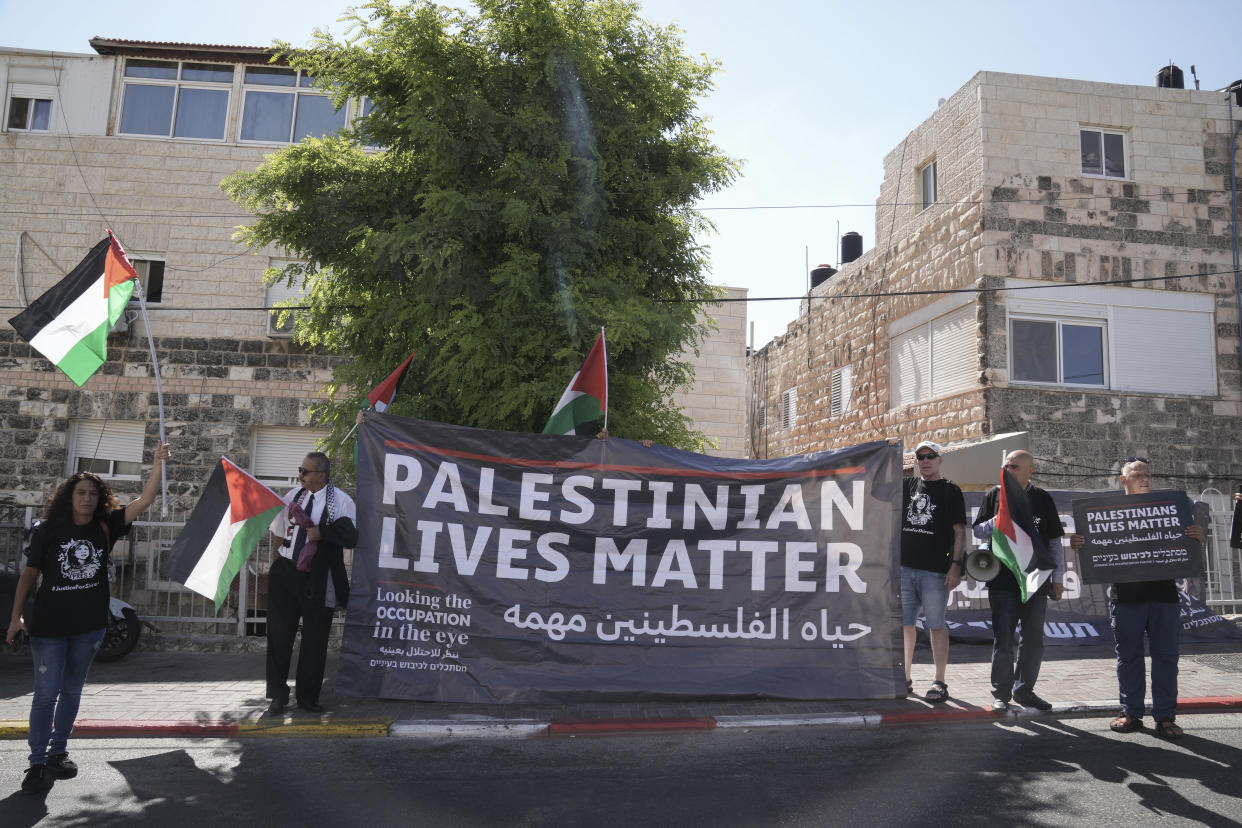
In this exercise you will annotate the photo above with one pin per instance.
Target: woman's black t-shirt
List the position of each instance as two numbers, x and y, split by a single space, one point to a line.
73 560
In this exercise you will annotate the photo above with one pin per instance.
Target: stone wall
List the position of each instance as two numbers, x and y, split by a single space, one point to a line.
717 402
215 392
1016 205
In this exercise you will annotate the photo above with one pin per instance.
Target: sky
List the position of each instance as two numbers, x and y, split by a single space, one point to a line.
811 96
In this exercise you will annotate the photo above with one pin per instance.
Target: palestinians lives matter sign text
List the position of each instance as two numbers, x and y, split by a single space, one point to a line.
1137 538
503 567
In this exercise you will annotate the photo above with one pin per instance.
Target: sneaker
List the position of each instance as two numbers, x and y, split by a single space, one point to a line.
35 781
1032 700
60 766
1000 706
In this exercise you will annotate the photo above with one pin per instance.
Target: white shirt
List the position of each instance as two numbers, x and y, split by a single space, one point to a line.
343 506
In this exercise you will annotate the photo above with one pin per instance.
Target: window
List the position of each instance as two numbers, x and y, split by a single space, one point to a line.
789 408
281 323
279 451
841 391
151 277
1128 339
927 184
29 114
1065 352
275 110
108 448
933 353
178 99
1103 153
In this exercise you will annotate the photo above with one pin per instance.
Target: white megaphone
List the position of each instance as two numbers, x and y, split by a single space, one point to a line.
982 564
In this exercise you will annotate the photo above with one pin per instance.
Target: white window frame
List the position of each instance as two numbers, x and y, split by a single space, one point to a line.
1156 341
178 85
301 88
933 353
789 408
117 443
142 263
30 92
928 184
1103 173
277 451
841 390
280 295
1060 323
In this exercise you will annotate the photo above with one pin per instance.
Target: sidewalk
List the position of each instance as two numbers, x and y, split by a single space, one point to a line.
222 694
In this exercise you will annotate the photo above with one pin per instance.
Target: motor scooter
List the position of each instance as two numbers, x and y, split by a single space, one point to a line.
123 624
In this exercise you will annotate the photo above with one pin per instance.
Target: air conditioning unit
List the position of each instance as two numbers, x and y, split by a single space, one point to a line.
125 321
278 329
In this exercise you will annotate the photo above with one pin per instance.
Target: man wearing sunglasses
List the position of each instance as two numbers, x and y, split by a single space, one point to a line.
933 554
307 581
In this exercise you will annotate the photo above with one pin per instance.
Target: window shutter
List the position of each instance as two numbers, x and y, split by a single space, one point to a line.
910 368
1162 351
841 391
109 440
279 451
954 352
789 408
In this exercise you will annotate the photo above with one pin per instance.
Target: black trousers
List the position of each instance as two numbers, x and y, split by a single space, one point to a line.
288 600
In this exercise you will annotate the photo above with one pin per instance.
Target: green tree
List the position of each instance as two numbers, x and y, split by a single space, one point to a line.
535 181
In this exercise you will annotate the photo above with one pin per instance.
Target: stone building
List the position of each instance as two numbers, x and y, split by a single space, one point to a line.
137 137
1052 270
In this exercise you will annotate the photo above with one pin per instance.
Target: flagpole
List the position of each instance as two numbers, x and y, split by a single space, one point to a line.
604 342
159 393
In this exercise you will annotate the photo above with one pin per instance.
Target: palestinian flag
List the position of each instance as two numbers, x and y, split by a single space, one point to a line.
382 394
69 324
584 405
1016 542
222 532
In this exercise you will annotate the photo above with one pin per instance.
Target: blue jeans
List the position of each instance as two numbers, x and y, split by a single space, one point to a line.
1016 623
1161 622
60 667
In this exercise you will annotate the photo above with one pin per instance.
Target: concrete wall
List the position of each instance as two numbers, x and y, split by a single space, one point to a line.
717 402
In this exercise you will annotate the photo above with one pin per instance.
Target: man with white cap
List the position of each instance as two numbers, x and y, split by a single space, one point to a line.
933 555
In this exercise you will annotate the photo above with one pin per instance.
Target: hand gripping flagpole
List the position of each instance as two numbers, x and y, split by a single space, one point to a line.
159 394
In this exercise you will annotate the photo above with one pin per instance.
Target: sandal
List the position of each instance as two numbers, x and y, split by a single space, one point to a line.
939 692
1125 723
1169 729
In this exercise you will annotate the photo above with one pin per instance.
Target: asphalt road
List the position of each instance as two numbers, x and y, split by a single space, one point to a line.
1037 772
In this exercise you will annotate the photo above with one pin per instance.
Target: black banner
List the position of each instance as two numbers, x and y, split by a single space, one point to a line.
506 567
1136 538
1081 616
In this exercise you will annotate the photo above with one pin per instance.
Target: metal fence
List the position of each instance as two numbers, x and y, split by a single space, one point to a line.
138 574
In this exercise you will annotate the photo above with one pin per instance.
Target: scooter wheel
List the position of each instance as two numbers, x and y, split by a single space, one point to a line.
120 637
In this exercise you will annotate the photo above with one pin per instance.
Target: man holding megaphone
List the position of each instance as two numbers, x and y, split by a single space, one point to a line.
1017 624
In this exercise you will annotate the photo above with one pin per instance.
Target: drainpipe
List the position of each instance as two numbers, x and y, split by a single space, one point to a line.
1233 213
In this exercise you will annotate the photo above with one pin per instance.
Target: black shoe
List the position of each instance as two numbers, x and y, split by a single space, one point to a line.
35 781
310 707
60 766
277 705
1031 700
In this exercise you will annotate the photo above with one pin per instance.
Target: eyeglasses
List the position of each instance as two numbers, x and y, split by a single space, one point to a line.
303 472
1136 460
922 457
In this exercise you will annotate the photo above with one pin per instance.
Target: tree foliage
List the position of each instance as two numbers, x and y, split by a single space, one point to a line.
538 169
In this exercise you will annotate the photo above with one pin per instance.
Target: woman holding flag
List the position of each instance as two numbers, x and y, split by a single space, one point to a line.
70 552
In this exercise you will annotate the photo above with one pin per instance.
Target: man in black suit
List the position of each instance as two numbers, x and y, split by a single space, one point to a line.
307 581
